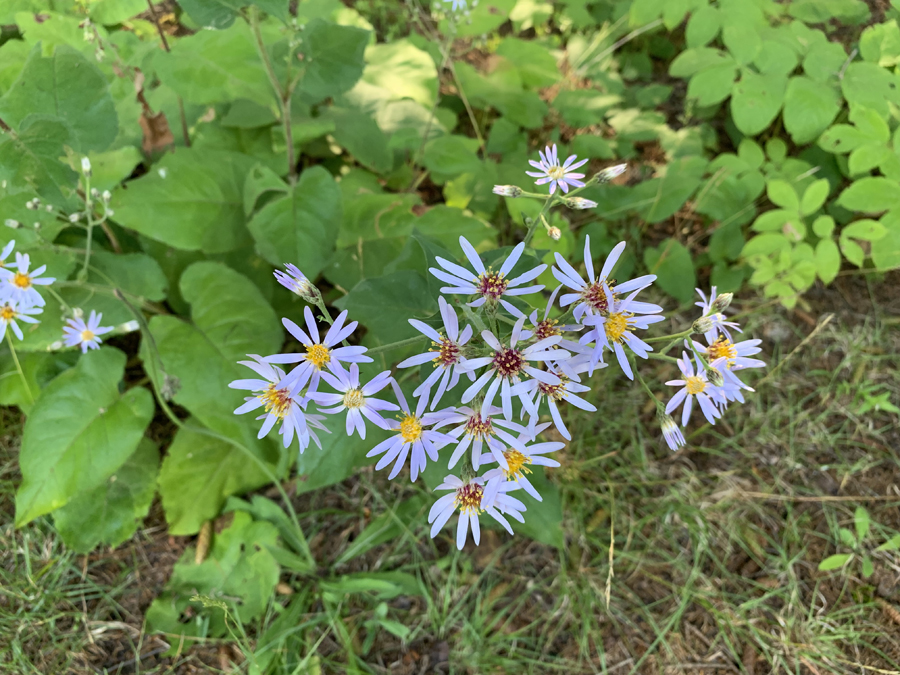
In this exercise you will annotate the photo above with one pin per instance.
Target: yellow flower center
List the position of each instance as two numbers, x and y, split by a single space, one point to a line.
21 280
616 326
468 498
277 401
694 385
517 462
723 347
555 391
87 335
318 355
491 284
354 399
410 428
556 172
7 313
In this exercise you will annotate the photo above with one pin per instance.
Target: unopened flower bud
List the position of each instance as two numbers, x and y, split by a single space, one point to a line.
49 208
671 433
611 172
579 203
9 222
86 166
37 226
110 213
128 326
714 377
508 190
107 195
295 281
702 325
555 233
73 217
721 302
33 205
95 192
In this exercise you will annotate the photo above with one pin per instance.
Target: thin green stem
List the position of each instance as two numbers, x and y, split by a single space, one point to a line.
662 357
12 350
89 214
673 336
395 345
537 221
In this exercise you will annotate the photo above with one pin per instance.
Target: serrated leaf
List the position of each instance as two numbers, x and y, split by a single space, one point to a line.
756 100
30 159
809 107
79 432
871 195
828 260
834 562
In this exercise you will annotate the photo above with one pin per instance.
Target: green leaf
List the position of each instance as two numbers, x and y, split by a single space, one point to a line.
892 544
866 230
672 264
847 537
742 41
260 181
886 255
388 525
543 521
765 244
335 59
834 562
712 85
776 58
756 100
536 64
868 568
69 87
219 14
866 157
852 251
824 61
692 61
828 260
135 273
702 27
31 159
809 107
823 226
403 70
111 512
814 197
870 123
450 156
781 193
584 107
861 522
871 195
301 227
80 431
110 168
361 136
871 86
192 199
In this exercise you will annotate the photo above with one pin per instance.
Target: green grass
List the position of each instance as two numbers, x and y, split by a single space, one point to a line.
715 549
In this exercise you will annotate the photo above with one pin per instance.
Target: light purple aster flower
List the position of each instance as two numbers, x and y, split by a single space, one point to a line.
296 282
19 286
10 314
78 333
670 430
518 466
281 401
467 497
489 285
477 429
567 390
10 245
356 399
550 171
719 322
508 365
457 5
730 357
593 295
445 353
412 437
695 386
320 353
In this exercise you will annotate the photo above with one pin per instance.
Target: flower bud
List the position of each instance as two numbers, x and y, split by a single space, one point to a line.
110 213
508 190
73 217
128 326
670 431
721 302
295 281
579 203
107 195
95 192
611 172
702 325
714 377
86 166
555 233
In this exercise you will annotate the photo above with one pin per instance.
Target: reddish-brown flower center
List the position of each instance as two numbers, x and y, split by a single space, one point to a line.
546 328
595 295
492 284
468 498
277 401
508 362
478 427
555 391
446 353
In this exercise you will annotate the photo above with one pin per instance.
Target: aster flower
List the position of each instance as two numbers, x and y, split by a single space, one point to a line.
445 353
491 286
592 295
517 469
719 322
670 430
457 5
85 335
508 365
550 171
476 429
10 245
356 399
280 399
313 422
412 437
616 328
538 391
296 282
695 386
320 353
10 314
546 327
19 286
467 497
730 357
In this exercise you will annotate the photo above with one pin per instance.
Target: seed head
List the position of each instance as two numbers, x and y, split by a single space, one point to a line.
702 325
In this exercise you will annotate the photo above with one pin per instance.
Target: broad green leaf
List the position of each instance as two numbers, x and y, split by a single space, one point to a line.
821 11
814 197
852 251
751 153
861 522
842 138
671 263
230 310
80 431
871 195
765 244
240 569
110 168
543 521
828 260
404 70
881 44
782 193
360 135
336 59
742 41
69 87
340 456
834 562
192 199
756 100
301 227
692 61
39 368
871 86
823 226
262 508
30 160
809 107
702 27
536 64
259 181
244 114
866 230
450 156
824 61
776 58
886 255
219 14
892 544
584 107
868 567
135 273
870 123
110 12
866 157
659 198
111 512
446 225
712 85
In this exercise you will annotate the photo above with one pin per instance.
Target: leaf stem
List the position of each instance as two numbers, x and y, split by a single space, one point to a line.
12 349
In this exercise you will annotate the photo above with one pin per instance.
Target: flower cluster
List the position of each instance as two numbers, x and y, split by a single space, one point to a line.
19 299
506 363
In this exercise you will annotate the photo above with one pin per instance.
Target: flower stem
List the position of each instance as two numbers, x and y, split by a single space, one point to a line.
673 336
540 218
12 350
662 357
89 214
395 345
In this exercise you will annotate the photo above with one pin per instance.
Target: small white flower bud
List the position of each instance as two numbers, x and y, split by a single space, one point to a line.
721 302
48 208
55 346
95 192
73 217
110 213
508 190
611 172
86 166
579 203
702 325
37 226
14 224
107 195
162 172
555 233
128 327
